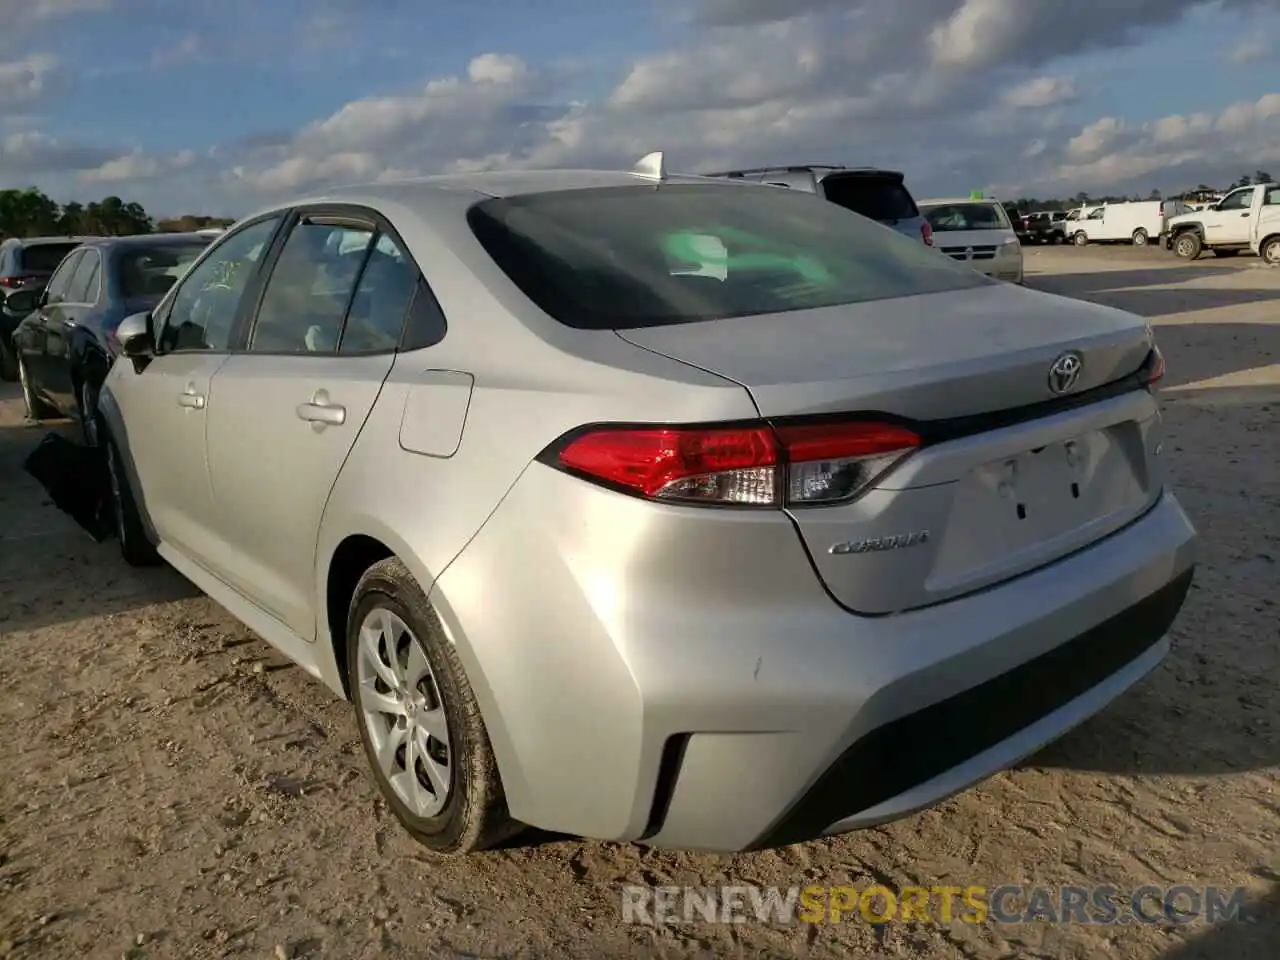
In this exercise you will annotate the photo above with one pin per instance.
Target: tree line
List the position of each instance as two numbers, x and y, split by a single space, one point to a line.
30 213
1196 194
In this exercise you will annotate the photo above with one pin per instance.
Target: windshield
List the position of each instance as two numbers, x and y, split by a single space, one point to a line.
622 257
45 257
149 271
948 217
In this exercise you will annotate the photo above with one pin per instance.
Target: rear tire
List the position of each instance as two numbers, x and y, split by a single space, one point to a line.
461 806
1188 245
136 548
1080 239
1139 237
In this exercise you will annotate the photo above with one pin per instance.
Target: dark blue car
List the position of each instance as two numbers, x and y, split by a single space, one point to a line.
66 343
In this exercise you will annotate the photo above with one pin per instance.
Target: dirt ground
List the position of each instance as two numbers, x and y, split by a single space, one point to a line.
172 788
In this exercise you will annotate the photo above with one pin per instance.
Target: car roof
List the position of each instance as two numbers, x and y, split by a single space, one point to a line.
939 200
37 241
146 239
465 189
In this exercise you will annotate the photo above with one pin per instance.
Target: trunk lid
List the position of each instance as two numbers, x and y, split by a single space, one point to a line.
992 495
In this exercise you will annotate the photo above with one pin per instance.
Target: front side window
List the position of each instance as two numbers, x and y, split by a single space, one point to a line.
622 257
204 307
950 217
83 287
60 282
1240 200
310 287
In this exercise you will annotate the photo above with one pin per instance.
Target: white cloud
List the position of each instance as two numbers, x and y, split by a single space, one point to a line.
25 81
957 93
1250 51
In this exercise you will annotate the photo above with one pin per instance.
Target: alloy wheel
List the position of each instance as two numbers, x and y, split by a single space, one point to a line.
403 714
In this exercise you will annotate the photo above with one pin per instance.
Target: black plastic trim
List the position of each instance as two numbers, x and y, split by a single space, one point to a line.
897 756
665 790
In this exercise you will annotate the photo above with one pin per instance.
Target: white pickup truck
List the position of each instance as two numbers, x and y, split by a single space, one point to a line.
1246 218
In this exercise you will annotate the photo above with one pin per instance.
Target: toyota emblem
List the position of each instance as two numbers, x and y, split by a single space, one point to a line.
1065 372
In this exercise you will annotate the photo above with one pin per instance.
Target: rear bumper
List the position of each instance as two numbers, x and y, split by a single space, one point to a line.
680 677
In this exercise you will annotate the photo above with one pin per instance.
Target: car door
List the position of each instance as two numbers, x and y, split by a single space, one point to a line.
35 347
1230 222
288 406
62 320
164 402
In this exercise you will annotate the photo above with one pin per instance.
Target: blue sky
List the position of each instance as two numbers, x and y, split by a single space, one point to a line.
216 108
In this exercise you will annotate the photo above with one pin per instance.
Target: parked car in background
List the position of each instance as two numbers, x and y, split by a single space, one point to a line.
1234 224
795 515
1046 226
879 195
66 343
1137 223
978 233
25 262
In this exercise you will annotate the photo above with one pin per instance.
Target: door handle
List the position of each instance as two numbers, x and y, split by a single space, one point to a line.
321 411
192 400
1246 213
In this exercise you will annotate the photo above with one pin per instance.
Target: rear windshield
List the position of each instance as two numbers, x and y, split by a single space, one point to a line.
966 216
147 271
880 198
43 257
624 257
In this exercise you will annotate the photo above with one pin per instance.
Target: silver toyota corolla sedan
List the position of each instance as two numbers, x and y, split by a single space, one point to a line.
653 508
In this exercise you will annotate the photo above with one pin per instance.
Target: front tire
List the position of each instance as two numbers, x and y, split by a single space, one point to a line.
136 548
1188 245
419 722
1080 239
1139 237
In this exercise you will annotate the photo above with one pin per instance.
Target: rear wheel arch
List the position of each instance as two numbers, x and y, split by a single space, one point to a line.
1270 243
352 557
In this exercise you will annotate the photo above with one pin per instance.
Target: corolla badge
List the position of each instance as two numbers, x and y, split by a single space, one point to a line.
879 544
1065 372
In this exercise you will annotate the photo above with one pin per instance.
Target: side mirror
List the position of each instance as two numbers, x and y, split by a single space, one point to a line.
22 302
134 336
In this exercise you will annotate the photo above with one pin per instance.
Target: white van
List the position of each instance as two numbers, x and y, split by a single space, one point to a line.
1136 223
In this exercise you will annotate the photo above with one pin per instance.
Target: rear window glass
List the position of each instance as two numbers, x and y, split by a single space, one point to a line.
966 216
880 198
44 257
150 271
623 257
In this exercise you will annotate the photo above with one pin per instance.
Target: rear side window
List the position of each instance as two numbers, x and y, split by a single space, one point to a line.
625 257
43 257
880 198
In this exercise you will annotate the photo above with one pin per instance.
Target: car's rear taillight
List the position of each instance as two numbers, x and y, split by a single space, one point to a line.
749 465
13 283
926 233
1153 369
